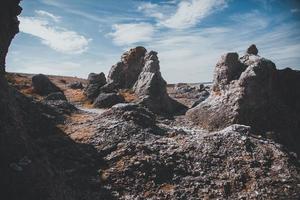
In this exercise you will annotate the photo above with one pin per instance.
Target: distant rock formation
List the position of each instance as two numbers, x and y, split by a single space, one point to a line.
140 71
9 26
43 86
95 82
251 91
152 88
125 73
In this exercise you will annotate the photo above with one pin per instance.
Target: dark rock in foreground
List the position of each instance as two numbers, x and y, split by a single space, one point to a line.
9 26
253 92
95 82
107 100
43 86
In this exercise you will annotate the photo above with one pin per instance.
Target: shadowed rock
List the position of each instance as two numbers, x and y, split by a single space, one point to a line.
9 26
107 100
252 50
95 82
43 86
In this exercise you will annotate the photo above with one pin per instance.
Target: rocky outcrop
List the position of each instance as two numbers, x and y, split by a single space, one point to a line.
9 26
145 162
125 73
95 82
75 85
43 86
107 100
151 88
251 91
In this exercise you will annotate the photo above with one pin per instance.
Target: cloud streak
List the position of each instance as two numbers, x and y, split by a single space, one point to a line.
129 34
57 38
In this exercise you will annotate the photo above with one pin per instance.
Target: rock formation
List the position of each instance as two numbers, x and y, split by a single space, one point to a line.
140 71
95 82
151 88
43 86
251 91
107 100
9 26
125 73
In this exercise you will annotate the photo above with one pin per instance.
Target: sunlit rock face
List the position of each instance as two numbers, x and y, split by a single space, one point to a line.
139 71
9 26
251 91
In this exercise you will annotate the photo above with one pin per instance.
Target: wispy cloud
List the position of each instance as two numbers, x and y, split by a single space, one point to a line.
129 34
57 38
187 13
43 13
295 10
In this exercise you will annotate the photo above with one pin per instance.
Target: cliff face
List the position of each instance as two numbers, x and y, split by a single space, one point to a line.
36 158
9 26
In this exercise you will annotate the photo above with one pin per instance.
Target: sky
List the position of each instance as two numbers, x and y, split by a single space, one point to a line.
76 37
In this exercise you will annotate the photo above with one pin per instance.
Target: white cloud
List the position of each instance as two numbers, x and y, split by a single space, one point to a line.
57 38
127 34
43 13
295 10
188 13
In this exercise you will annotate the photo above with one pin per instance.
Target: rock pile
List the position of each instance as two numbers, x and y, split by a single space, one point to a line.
251 91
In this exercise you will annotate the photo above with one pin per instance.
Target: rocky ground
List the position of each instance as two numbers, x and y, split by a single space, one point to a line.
127 136
144 156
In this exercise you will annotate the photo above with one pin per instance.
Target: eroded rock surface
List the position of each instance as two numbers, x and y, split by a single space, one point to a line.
152 88
9 26
125 73
251 91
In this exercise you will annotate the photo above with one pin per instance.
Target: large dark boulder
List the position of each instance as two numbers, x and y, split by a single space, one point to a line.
95 82
107 100
251 91
152 88
43 86
9 26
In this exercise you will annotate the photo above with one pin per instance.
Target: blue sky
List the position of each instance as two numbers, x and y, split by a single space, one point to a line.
76 37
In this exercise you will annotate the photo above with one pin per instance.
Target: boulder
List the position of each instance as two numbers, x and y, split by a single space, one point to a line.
107 100
76 85
151 88
251 91
125 73
43 86
95 82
